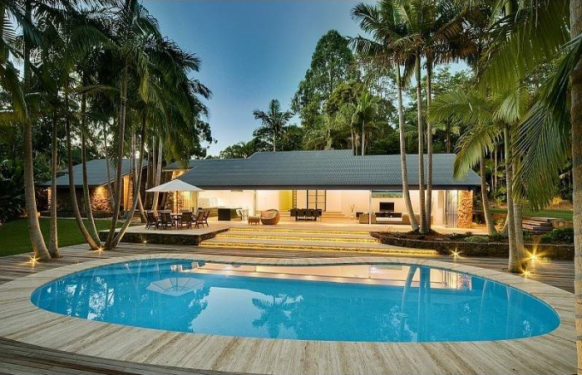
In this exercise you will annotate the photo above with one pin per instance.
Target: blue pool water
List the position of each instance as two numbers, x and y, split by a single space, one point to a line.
377 303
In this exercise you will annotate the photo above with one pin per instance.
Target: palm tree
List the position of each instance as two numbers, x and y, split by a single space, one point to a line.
436 32
388 46
273 121
71 35
9 78
489 118
550 133
132 28
364 116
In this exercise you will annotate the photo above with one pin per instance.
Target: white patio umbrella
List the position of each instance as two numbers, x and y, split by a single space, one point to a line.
176 186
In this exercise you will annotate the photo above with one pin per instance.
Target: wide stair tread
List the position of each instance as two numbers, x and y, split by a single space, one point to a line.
261 229
300 236
311 245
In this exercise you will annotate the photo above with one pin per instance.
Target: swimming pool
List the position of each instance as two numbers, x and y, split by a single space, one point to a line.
370 303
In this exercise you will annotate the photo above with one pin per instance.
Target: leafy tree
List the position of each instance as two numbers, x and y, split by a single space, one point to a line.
273 122
331 64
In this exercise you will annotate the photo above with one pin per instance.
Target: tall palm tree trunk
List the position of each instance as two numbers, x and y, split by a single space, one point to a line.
363 138
136 189
428 143
485 198
421 192
37 241
54 236
403 166
86 192
514 261
72 189
108 168
118 172
158 176
352 135
576 118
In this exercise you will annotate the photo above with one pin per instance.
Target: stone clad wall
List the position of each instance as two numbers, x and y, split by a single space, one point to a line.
465 209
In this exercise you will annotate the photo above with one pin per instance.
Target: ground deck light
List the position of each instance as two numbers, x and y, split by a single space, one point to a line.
456 254
526 273
33 261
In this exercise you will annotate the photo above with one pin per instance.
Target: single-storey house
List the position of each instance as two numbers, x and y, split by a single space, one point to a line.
98 187
337 182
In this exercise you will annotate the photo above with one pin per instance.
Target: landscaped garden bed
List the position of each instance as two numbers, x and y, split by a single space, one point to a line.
557 244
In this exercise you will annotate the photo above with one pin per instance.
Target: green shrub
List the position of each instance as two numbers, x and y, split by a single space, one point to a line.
497 237
477 239
565 235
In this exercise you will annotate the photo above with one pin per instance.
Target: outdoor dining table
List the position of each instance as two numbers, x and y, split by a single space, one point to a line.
177 218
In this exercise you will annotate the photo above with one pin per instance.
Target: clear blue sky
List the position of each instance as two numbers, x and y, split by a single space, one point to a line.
251 51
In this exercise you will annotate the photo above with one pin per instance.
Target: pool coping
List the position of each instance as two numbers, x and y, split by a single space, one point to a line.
554 352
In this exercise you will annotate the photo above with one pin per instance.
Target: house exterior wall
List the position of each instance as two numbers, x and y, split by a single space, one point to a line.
99 198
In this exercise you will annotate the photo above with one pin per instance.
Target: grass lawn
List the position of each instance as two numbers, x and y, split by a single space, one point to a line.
557 214
14 234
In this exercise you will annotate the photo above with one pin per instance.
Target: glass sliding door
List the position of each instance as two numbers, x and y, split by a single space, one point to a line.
316 199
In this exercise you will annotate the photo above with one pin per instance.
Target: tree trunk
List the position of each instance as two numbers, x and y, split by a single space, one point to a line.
37 241
86 194
576 118
421 193
448 137
136 189
72 189
514 261
428 143
485 198
108 166
363 138
118 172
137 172
54 235
274 141
403 166
495 168
158 177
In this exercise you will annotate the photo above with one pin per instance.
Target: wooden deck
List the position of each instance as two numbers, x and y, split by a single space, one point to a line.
20 358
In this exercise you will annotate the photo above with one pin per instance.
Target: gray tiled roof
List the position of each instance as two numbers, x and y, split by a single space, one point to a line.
321 170
96 173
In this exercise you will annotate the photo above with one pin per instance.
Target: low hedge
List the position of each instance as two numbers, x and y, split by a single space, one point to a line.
475 249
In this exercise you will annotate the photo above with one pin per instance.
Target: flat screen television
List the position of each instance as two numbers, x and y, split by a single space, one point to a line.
387 206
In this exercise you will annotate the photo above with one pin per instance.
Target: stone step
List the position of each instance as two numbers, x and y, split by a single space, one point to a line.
299 230
298 245
313 246
324 237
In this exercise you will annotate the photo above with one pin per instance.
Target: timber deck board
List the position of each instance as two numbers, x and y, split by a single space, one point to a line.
19 358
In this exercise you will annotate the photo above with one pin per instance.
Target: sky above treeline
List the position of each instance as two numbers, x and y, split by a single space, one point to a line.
251 51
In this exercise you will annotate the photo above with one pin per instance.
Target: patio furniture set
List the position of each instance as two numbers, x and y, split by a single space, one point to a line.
268 217
167 219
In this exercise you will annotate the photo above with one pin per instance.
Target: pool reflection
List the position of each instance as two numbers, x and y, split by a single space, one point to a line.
391 302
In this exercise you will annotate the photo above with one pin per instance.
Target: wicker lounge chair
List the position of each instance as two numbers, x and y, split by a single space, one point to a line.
152 220
270 217
186 219
166 220
199 220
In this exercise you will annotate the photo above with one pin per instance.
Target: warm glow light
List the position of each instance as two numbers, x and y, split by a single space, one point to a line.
145 242
526 273
33 261
533 257
456 254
